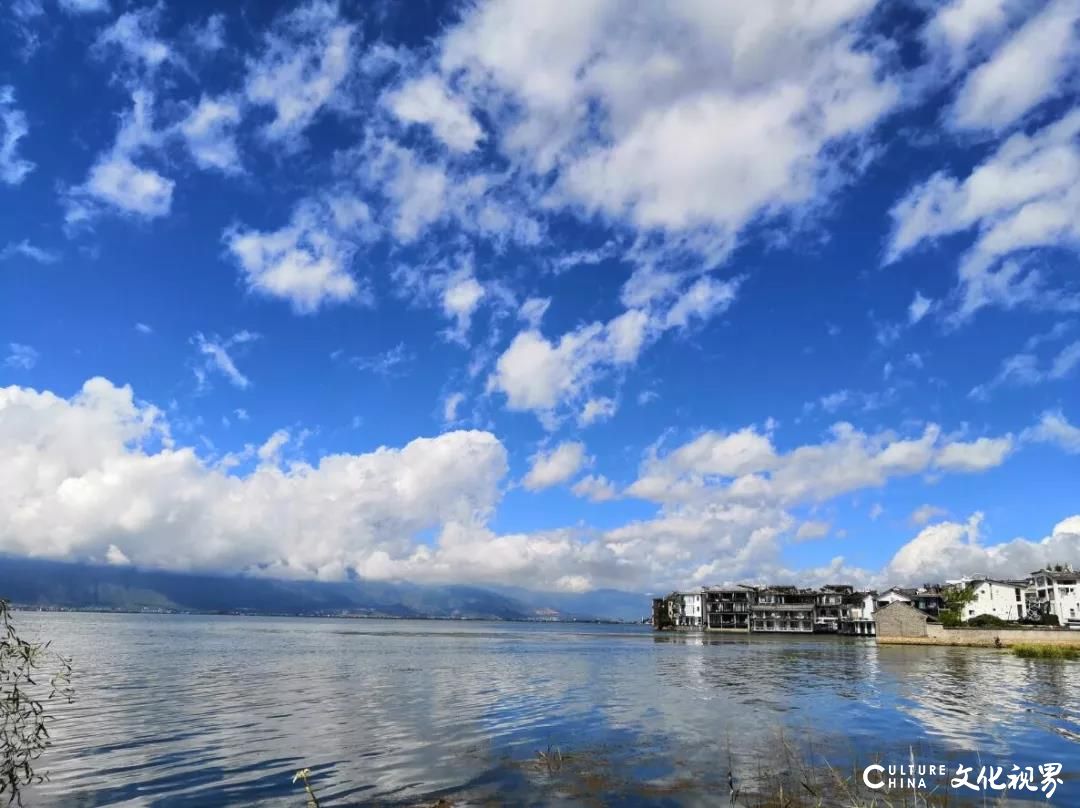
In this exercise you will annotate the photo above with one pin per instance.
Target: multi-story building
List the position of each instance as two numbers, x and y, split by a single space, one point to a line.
926 599
783 608
728 609
685 609
857 614
1001 599
829 607
1057 592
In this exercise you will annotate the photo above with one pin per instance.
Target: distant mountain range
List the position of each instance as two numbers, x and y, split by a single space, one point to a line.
55 584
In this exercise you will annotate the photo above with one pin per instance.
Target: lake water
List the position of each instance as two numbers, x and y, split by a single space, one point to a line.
193 711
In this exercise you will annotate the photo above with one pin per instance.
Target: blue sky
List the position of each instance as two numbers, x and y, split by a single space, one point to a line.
620 296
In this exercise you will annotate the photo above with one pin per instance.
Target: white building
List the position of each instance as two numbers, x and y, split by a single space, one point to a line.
1057 592
691 608
1002 599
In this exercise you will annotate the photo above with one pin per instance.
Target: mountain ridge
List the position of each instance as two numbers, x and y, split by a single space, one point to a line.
41 583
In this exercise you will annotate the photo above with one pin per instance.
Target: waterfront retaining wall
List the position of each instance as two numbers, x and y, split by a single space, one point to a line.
989 637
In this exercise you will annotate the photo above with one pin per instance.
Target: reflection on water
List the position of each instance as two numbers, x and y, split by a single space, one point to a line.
190 711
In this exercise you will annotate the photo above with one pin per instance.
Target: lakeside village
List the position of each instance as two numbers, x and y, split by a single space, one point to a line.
1049 597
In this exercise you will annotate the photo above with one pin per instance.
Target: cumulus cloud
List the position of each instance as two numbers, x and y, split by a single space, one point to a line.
100 470
305 59
1025 195
974 456
13 128
596 409
539 375
685 99
1024 72
1053 427
427 100
133 35
595 488
308 261
958 28
951 549
460 298
209 132
422 192
925 514
115 181
813 529
744 467
556 466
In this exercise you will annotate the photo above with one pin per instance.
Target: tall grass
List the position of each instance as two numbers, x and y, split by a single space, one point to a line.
1033 651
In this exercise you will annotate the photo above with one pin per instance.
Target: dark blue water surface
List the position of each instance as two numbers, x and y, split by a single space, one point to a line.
192 711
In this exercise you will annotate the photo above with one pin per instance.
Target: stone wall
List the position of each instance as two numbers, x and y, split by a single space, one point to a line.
900 621
987 637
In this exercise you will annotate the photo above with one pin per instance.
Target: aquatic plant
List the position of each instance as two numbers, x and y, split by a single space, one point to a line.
305 775
24 696
1033 651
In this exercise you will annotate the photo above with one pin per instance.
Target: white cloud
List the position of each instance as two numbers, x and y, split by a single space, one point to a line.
422 192
532 311
744 467
1027 70
951 549
209 132
959 26
644 115
1025 195
116 181
1054 427
555 467
115 556
216 356
99 469
450 407
84 6
134 36
925 514
306 59
428 101
1024 369
461 297
21 357
308 261
535 374
596 409
210 36
386 363
27 250
143 328
974 456
1065 362
704 299
919 308
595 488
810 530
539 375
13 128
